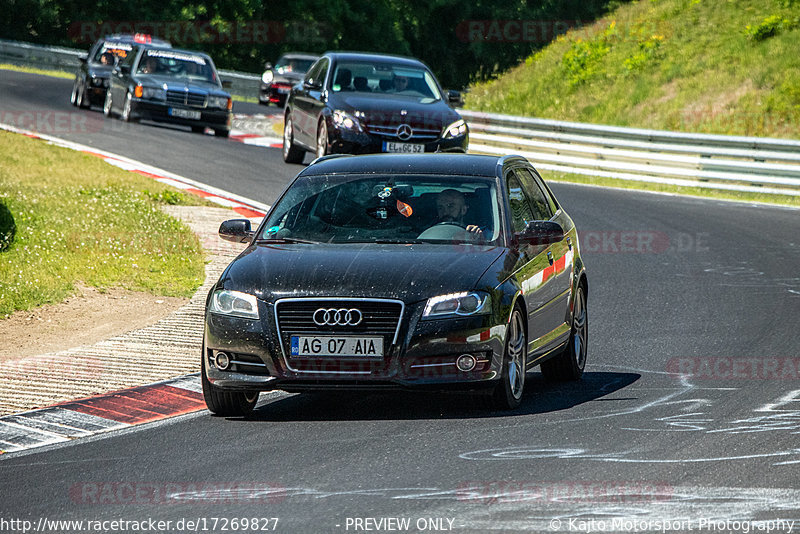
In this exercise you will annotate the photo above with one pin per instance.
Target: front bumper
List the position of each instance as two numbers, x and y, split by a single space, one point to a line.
216 119
423 356
351 141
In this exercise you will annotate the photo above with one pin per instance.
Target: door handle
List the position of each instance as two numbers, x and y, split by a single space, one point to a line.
550 257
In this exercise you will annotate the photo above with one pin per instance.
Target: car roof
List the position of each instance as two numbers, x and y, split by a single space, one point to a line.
299 55
444 164
370 56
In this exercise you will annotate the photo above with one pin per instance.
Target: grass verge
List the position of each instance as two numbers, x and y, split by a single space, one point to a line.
76 218
708 66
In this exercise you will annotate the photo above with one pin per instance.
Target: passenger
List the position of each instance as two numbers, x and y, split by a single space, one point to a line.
400 83
150 66
360 84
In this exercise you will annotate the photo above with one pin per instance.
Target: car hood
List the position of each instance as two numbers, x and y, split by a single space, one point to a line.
289 77
395 110
408 272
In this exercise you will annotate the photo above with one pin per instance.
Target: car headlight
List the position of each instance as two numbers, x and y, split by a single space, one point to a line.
234 303
345 120
218 102
454 130
466 303
154 93
267 77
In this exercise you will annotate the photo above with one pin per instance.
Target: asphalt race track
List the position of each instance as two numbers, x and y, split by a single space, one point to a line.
677 286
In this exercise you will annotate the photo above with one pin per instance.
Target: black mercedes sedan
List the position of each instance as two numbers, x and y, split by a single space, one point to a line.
433 271
278 79
355 103
93 76
169 85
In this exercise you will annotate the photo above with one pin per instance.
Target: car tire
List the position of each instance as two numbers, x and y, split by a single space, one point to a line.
226 403
127 114
73 97
322 139
222 133
569 364
282 102
291 152
81 98
198 129
507 395
108 105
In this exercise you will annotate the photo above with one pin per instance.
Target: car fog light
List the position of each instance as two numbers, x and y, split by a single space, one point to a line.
222 361
466 362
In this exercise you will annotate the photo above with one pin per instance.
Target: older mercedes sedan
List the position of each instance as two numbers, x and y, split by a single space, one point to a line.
170 85
356 103
433 271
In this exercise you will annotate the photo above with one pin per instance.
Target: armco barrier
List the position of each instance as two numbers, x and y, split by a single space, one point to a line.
752 164
67 59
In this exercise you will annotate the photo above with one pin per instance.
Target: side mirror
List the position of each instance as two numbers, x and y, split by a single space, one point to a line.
454 98
227 84
540 233
236 230
83 58
267 66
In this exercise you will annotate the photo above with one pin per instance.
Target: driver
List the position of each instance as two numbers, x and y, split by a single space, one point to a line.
451 207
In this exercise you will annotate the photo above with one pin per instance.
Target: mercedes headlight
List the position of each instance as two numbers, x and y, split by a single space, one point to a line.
234 303
154 93
465 303
343 119
267 77
218 102
454 130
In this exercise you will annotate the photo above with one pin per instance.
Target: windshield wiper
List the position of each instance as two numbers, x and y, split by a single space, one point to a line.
286 240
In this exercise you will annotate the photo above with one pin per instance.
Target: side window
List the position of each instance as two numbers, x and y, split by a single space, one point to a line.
539 204
518 203
551 200
316 74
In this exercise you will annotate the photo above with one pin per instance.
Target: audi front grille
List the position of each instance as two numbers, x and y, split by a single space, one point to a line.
378 317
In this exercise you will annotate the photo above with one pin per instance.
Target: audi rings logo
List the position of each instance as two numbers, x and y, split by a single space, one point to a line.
404 132
337 317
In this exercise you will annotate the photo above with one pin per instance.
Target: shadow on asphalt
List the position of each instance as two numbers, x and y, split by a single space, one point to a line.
540 397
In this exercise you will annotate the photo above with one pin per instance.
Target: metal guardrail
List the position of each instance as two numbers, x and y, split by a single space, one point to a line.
67 59
752 164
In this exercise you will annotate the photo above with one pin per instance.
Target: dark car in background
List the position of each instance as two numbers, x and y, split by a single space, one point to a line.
94 74
170 85
277 81
356 103
434 271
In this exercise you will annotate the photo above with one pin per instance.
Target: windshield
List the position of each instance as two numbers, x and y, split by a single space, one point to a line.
294 64
106 53
177 64
394 209
385 78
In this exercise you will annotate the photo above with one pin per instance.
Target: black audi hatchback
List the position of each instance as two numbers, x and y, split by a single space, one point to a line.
355 103
436 271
